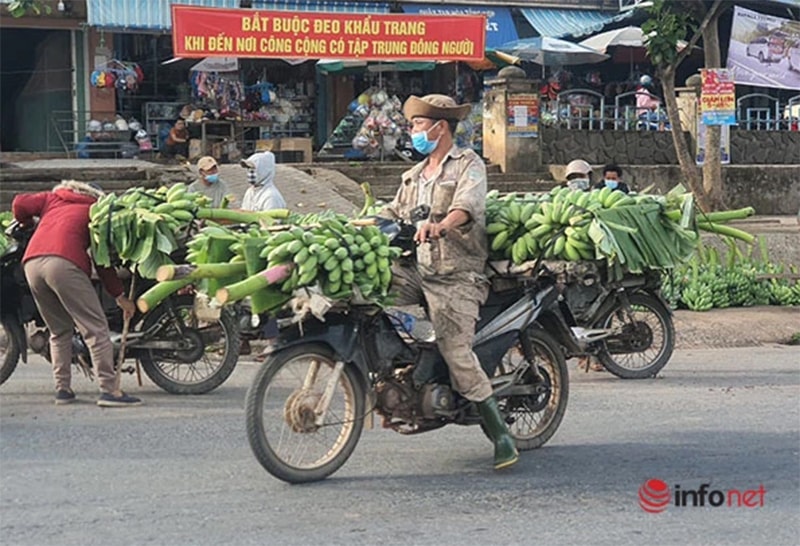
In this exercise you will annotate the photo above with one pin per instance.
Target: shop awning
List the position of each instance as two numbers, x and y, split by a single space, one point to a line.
141 14
500 27
558 23
156 15
337 6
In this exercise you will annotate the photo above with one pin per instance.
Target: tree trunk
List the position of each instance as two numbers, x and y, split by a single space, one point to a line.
712 166
685 157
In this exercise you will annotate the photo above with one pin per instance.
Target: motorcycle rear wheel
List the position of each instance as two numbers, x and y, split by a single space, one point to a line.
217 358
652 327
280 414
9 349
532 420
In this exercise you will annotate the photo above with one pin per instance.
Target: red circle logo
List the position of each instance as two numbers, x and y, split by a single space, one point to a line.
654 496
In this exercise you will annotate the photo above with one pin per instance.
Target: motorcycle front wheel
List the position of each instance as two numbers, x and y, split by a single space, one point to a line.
645 340
206 352
532 419
9 348
281 415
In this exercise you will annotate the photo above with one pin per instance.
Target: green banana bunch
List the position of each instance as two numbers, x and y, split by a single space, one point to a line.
335 254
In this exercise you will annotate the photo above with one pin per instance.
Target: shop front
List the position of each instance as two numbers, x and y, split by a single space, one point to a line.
232 109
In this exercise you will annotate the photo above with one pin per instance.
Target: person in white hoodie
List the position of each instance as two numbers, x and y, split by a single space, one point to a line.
262 193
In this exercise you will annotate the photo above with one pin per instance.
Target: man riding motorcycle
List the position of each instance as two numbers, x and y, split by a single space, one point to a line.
451 253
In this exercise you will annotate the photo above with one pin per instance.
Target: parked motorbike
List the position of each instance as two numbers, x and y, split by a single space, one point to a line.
306 408
626 324
179 351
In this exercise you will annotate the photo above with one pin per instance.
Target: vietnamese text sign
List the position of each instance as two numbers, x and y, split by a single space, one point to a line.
211 32
718 97
523 116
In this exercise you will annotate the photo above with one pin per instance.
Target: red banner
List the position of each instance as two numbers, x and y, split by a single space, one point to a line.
211 32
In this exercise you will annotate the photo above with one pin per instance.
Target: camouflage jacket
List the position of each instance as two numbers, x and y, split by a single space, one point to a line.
459 183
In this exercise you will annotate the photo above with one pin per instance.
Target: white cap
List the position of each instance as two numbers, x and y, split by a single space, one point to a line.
577 166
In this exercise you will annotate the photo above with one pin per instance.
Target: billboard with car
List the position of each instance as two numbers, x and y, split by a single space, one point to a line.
764 50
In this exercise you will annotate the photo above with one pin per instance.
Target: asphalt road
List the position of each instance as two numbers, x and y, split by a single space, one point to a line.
178 470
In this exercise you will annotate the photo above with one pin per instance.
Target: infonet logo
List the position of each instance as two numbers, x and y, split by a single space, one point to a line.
655 495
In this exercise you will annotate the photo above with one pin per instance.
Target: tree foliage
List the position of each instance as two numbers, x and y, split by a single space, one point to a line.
20 8
664 29
669 23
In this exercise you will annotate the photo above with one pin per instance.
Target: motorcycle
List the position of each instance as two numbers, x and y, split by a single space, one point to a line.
626 324
179 351
307 406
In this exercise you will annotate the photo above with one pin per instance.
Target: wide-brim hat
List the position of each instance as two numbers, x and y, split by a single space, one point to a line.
435 107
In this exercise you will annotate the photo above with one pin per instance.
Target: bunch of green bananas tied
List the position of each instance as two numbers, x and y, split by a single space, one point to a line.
335 254
140 226
555 225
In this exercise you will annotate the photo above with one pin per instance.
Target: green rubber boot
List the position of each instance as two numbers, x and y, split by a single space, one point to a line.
505 451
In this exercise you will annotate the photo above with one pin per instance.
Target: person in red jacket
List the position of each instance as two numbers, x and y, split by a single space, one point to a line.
58 268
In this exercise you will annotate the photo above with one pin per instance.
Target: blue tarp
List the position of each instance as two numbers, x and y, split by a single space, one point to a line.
156 15
558 23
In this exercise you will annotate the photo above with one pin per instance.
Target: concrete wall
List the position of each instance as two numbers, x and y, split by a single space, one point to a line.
770 189
560 146
765 147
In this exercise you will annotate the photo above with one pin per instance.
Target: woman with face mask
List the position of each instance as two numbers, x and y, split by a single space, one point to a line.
578 175
612 178
209 183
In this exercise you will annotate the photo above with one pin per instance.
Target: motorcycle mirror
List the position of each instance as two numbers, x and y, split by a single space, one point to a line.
420 213
390 228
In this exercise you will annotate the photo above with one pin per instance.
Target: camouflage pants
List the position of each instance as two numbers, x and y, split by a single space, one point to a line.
453 304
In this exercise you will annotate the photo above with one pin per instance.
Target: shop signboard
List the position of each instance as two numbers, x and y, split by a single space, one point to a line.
212 32
718 97
523 116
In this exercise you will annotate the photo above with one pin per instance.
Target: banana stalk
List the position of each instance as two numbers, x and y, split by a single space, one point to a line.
243 216
727 230
159 293
252 284
201 271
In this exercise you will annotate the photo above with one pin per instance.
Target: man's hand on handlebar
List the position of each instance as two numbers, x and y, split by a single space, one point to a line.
430 231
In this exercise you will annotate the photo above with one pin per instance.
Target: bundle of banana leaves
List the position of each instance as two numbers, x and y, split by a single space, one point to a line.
631 232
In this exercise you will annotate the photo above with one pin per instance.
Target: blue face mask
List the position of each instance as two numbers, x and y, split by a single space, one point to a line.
611 184
422 144
212 178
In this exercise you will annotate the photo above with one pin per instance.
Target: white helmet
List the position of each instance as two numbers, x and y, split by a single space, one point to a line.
577 166
646 81
94 126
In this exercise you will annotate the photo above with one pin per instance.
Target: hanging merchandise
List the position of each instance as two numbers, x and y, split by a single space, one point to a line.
124 76
469 132
373 125
224 93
